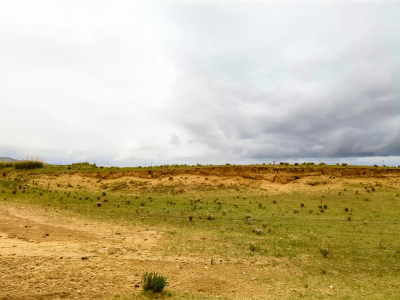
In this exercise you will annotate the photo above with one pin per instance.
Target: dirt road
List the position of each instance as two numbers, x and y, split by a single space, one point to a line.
47 255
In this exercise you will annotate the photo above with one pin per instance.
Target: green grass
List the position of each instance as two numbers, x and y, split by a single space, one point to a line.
363 242
166 295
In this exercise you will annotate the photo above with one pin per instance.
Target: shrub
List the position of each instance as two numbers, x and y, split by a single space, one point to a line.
28 164
6 165
324 251
257 231
153 282
252 246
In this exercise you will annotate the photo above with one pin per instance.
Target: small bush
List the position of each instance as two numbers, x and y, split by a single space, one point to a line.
6 165
28 164
257 231
252 246
324 251
153 282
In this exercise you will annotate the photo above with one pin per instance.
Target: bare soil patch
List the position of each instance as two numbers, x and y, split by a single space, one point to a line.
46 255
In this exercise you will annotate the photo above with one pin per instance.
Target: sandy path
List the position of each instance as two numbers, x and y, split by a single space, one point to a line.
45 255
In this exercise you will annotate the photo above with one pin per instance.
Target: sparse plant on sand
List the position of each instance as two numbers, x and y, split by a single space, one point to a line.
153 282
252 246
325 251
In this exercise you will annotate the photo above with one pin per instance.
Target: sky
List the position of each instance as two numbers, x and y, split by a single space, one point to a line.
144 82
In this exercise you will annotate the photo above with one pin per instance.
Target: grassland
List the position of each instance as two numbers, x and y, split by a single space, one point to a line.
227 236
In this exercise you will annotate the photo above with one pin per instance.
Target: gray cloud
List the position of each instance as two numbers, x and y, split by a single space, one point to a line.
291 81
200 81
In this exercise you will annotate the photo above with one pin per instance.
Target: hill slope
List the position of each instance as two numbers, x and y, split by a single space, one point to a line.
8 159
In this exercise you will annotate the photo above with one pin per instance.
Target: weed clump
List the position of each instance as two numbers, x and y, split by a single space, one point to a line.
257 231
28 164
252 246
153 282
325 251
6 165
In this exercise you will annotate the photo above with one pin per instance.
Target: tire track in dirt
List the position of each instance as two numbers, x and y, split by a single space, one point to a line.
73 262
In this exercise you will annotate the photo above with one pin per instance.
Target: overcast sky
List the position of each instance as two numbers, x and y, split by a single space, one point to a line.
206 81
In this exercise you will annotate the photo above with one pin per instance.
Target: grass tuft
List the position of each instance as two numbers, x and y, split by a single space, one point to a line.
28 164
153 282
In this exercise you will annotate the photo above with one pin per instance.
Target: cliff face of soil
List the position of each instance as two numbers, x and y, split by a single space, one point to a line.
269 173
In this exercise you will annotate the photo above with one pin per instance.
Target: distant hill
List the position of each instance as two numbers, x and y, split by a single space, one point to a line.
8 159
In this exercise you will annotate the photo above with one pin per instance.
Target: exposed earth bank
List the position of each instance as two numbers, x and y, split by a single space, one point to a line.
272 174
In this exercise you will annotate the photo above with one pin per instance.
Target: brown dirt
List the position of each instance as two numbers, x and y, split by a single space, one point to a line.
48 255
77 259
274 180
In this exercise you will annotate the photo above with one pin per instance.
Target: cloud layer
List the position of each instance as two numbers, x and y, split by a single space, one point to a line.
200 81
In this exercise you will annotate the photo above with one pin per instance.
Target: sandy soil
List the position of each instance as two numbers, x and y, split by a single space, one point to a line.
76 259
48 255
129 183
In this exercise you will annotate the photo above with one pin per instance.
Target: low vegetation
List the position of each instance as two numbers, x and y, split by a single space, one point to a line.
153 282
322 227
28 164
22 165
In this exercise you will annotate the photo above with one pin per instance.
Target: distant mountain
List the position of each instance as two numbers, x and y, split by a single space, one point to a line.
8 159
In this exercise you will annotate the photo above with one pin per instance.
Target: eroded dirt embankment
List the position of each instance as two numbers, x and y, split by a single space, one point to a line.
272 174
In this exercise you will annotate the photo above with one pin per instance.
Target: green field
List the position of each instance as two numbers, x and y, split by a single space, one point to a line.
342 239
